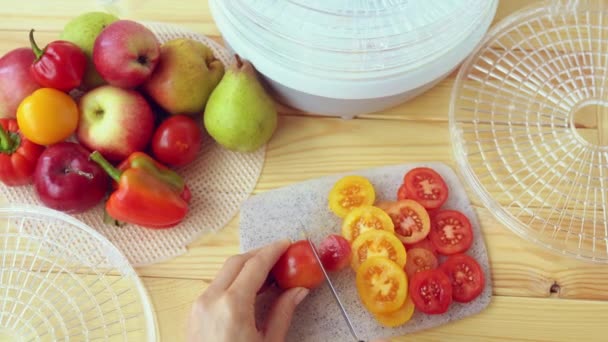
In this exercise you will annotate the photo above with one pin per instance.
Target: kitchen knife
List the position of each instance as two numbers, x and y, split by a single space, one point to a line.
333 289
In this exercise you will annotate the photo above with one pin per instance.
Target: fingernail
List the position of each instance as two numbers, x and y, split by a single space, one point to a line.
299 297
283 242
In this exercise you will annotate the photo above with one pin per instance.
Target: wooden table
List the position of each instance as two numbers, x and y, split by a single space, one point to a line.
538 295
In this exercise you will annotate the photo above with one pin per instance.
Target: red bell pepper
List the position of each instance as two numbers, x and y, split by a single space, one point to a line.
146 193
60 65
18 156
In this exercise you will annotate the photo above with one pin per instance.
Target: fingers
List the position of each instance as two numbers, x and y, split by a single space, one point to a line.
256 269
279 317
230 270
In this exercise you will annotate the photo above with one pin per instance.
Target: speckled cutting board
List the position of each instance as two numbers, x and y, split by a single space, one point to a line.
282 213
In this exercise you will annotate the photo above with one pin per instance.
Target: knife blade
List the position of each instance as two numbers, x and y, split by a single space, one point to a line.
332 288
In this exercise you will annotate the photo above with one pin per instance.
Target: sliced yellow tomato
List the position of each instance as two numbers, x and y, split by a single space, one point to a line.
377 243
399 317
350 192
364 218
381 285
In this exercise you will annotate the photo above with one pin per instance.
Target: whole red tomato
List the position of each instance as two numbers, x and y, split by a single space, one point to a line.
298 267
177 140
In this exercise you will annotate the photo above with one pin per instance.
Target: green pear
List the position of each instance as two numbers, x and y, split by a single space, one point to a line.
82 31
240 115
186 74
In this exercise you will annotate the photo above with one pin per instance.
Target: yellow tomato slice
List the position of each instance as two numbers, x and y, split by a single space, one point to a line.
382 285
399 317
365 218
350 192
377 243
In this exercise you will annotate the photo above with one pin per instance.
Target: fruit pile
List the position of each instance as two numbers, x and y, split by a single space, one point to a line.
108 112
408 254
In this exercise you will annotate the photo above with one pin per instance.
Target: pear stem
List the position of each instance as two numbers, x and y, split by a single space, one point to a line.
239 62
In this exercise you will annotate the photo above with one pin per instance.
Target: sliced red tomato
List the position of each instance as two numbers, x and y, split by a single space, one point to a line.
350 192
431 291
426 187
419 259
374 243
424 243
451 232
334 252
466 276
402 192
382 285
410 219
364 218
399 317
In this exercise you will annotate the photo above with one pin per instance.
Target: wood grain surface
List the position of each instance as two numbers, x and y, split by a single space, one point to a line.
538 295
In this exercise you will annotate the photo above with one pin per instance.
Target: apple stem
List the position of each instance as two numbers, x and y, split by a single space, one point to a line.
37 51
86 175
113 172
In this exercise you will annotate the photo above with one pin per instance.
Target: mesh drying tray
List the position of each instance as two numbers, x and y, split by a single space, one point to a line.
529 124
62 281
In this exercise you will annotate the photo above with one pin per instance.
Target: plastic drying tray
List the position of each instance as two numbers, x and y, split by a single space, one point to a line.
529 124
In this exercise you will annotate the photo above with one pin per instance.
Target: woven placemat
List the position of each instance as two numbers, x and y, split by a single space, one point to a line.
220 180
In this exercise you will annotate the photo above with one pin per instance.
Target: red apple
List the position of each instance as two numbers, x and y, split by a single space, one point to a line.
16 81
66 180
125 53
115 121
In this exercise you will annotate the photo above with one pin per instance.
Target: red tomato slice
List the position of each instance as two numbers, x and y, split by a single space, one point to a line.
424 243
418 260
402 192
431 291
410 219
466 276
426 187
451 232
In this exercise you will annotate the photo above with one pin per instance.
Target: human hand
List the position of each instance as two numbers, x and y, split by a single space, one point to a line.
225 312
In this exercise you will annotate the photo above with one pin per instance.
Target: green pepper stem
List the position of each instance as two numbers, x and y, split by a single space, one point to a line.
106 166
37 51
167 176
5 141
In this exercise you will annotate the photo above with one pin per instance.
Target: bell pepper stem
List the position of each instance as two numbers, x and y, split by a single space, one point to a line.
5 141
168 176
37 50
113 172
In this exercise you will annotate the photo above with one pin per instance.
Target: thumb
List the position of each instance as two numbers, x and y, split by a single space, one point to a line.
279 318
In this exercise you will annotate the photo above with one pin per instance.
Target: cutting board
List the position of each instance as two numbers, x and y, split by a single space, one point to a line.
281 213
